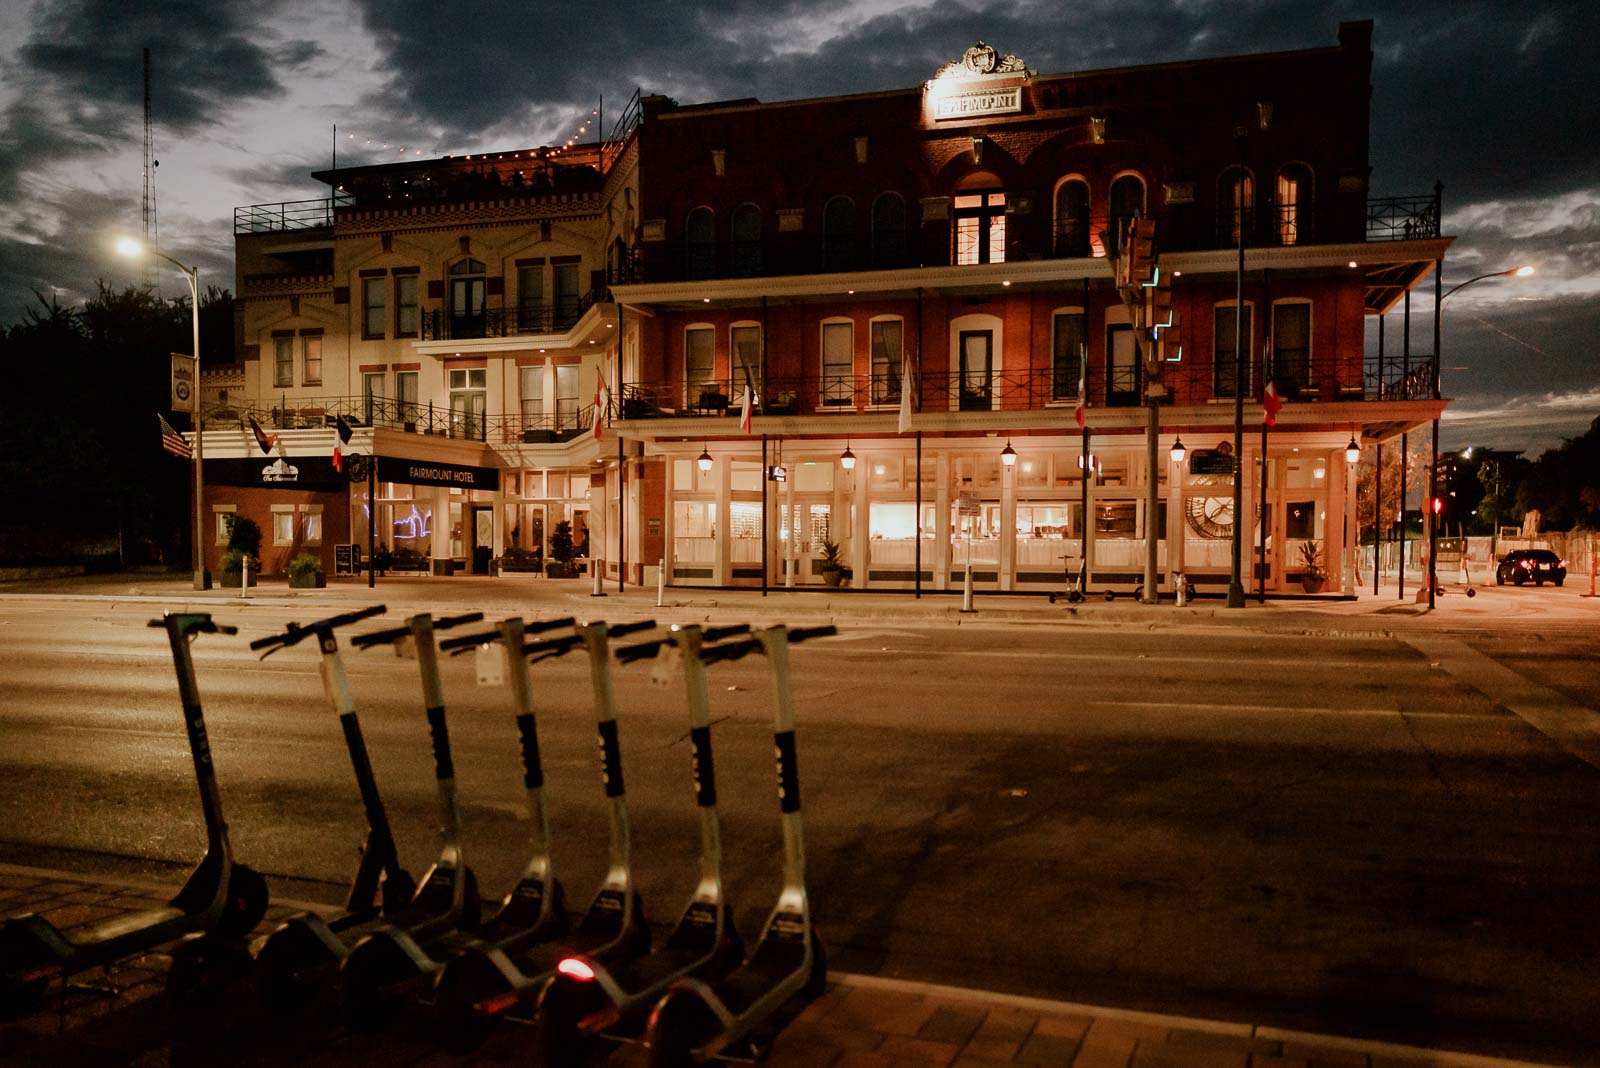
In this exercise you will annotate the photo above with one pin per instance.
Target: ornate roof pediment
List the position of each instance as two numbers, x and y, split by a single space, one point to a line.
982 60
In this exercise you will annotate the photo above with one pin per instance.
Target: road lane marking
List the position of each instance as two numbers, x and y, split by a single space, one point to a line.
1202 707
1573 727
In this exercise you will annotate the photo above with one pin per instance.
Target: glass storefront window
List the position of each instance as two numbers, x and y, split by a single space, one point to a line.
687 477
1033 470
883 472
745 476
813 477
694 532
744 527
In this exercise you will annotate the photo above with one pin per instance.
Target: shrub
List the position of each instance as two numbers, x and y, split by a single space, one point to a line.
303 565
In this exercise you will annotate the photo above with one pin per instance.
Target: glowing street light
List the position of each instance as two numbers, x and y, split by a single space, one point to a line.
133 248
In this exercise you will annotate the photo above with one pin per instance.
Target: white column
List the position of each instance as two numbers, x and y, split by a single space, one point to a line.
722 573
439 545
1008 525
791 553
861 529
941 520
1350 527
668 549
1175 562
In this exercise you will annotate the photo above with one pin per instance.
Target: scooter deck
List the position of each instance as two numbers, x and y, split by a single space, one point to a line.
772 964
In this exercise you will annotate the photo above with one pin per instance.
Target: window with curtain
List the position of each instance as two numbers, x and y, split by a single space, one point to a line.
1291 348
699 366
838 363
1223 367
886 360
1294 204
838 234
405 305
1236 201
747 241
700 243
1067 352
889 231
374 314
1072 218
744 342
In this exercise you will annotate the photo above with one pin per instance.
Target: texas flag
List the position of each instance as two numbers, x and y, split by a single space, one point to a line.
602 401
746 405
1270 403
267 444
342 438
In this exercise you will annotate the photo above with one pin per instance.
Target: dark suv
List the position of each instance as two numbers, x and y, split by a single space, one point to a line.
1532 565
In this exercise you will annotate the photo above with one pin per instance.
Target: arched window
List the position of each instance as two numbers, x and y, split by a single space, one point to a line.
838 234
889 231
1127 201
746 241
700 243
467 286
1294 204
1236 202
1072 218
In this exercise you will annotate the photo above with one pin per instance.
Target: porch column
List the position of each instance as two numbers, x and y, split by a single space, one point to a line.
1250 471
1175 561
669 553
439 540
1008 526
941 521
1351 556
791 548
860 529
722 573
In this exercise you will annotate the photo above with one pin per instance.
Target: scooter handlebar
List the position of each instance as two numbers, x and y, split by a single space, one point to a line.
296 633
455 621
623 629
394 634
802 634
539 626
730 651
196 623
716 634
627 654
552 646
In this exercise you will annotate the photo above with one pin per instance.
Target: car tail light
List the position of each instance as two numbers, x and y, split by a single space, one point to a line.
1528 564
1561 563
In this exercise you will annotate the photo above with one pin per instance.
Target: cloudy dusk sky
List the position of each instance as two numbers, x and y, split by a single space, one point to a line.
1491 98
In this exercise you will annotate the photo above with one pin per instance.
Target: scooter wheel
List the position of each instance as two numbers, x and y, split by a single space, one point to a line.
293 963
460 987
680 1022
1052 598
1111 595
562 1003
817 978
211 987
368 979
247 902
1074 597
398 890
1471 592
19 999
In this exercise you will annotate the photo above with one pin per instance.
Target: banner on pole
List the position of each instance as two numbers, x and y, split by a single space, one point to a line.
184 383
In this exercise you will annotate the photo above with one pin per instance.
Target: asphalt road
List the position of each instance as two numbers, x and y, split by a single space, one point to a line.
1330 833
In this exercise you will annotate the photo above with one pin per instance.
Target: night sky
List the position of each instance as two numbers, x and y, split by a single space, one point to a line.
1491 98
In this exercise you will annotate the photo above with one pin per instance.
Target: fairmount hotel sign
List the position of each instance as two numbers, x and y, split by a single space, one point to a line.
981 82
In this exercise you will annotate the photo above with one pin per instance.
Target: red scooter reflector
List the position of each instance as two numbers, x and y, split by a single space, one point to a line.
573 968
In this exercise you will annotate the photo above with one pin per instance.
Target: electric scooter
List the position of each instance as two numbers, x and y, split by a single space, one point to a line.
300 956
589 994
535 910
221 896
697 1018
447 900
488 983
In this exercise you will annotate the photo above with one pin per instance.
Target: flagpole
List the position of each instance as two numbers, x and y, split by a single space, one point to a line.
1235 584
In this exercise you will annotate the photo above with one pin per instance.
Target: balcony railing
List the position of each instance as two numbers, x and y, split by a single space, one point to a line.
1023 389
571 419
289 215
1403 218
1398 378
553 318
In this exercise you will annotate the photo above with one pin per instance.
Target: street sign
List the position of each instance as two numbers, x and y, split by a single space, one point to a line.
346 558
967 504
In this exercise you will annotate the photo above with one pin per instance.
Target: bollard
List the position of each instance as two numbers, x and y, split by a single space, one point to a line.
1180 586
1591 568
594 570
661 581
966 591
244 575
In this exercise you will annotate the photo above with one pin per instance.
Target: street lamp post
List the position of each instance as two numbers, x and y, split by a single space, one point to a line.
130 247
1434 488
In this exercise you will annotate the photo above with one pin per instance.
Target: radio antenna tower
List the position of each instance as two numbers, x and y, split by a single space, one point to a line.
152 232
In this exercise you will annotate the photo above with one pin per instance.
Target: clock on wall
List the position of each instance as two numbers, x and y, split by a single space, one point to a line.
1210 517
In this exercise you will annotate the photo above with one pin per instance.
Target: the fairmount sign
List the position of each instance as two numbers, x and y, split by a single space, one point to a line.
432 473
981 82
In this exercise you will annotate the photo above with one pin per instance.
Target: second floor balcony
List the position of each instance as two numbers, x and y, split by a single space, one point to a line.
553 317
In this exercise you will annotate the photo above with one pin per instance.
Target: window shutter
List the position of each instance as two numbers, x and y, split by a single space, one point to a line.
341 294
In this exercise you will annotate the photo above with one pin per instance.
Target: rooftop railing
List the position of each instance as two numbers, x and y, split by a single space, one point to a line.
288 215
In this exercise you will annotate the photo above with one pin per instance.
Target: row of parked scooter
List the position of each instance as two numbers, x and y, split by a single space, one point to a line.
399 944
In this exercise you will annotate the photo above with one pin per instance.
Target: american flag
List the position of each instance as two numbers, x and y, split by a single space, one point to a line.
173 441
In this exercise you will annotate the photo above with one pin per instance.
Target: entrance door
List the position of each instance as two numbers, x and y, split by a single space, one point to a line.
482 539
809 524
977 370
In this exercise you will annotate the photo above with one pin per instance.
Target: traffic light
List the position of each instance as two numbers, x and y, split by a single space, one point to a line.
1158 300
1438 505
1170 339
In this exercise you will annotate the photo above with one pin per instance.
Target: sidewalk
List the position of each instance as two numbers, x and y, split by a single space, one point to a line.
861 1022
1377 612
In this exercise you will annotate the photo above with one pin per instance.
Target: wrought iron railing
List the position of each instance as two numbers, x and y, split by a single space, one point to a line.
554 318
288 215
1024 389
617 140
412 417
1398 378
1404 218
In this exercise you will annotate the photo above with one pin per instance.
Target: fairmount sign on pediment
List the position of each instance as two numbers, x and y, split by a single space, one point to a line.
964 88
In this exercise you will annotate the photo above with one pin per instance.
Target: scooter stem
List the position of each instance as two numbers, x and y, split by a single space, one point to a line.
512 632
181 630
775 643
421 626
596 637
689 640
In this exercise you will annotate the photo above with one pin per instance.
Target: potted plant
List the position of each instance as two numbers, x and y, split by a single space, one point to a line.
562 552
1313 575
406 558
831 570
519 559
305 573
244 543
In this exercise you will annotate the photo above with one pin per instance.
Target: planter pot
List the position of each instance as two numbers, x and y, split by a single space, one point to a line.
444 567
312 580
1311 585
832 576
230 579
560 570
